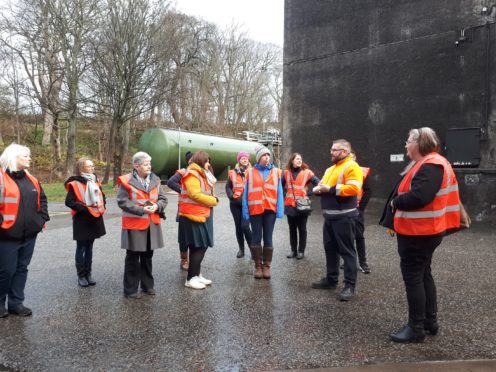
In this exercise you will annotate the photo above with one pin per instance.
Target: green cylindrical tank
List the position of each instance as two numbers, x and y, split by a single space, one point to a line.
164 145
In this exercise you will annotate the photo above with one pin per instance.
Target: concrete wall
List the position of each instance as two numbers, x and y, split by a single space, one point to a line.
368 71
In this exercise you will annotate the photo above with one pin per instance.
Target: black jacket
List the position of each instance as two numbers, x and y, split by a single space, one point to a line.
175 182
85 226
30 220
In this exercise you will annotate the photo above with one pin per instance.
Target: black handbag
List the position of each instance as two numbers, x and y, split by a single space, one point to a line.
303 205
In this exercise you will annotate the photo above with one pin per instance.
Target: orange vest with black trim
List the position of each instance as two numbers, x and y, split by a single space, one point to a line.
365 172
79 190
262 195
10 197
238 185
188 205
439 215
139 198
296 188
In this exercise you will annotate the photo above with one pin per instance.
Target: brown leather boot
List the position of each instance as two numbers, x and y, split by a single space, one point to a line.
184 261
256 254
267 259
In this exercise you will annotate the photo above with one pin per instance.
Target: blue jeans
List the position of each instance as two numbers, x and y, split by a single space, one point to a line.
262 225
84 254
14 260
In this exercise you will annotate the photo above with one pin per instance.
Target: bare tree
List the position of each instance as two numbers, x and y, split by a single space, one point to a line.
33 40
124 69
73 25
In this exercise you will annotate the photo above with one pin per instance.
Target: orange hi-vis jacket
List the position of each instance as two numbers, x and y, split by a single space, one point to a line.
238 185
139 198
10 196
365 172
79 190
298 187
262 195
439 215
188 206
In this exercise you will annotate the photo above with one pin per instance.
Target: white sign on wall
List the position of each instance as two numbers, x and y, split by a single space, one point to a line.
397 158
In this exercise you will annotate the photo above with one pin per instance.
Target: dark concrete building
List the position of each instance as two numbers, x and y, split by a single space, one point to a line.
370 70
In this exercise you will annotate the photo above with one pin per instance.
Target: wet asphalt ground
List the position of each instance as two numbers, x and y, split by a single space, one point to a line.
243 324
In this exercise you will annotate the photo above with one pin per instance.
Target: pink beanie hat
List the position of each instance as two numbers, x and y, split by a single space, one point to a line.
242 154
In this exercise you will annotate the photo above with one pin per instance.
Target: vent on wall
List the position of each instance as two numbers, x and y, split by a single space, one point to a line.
463 146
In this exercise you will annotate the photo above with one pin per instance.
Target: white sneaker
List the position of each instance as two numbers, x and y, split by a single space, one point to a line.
194 283
204 280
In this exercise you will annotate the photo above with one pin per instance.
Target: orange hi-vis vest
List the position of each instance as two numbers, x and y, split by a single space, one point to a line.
439 215
139 198
79 190
296 188
238 185
10 197
182 171
262 195
188 206
365 172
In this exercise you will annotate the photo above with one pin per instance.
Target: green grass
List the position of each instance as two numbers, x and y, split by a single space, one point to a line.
57 192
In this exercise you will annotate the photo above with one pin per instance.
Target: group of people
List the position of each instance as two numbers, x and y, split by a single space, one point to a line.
421 208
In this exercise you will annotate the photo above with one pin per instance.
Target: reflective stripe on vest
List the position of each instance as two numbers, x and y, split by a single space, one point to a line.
238 186
80 190
138 198
296 188
440 214
10 198
262 195
189 206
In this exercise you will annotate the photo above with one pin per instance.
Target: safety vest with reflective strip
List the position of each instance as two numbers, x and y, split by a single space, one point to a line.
181 171
439 215
365 172
238 185
352 199
10 197
262 195
296 188
188 206
79 190
139 198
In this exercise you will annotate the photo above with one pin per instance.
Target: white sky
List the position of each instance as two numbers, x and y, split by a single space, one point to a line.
263 20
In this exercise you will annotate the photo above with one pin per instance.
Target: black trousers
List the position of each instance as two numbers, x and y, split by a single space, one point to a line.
242 227
359 238
415 262
339 238
138 269
298 225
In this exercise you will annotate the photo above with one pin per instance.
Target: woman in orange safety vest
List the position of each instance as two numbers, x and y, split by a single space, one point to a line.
23 213
263 202
195 216
87 202
235 186
425 205
296 178
143 204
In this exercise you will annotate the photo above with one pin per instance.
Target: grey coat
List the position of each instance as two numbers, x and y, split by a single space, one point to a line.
135 240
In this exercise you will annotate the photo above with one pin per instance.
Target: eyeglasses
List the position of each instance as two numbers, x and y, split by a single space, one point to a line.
336 150
410 142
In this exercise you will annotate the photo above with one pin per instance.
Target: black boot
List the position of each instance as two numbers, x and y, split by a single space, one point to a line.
241 252
81 273
409 333
292 254
89 279
430 324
